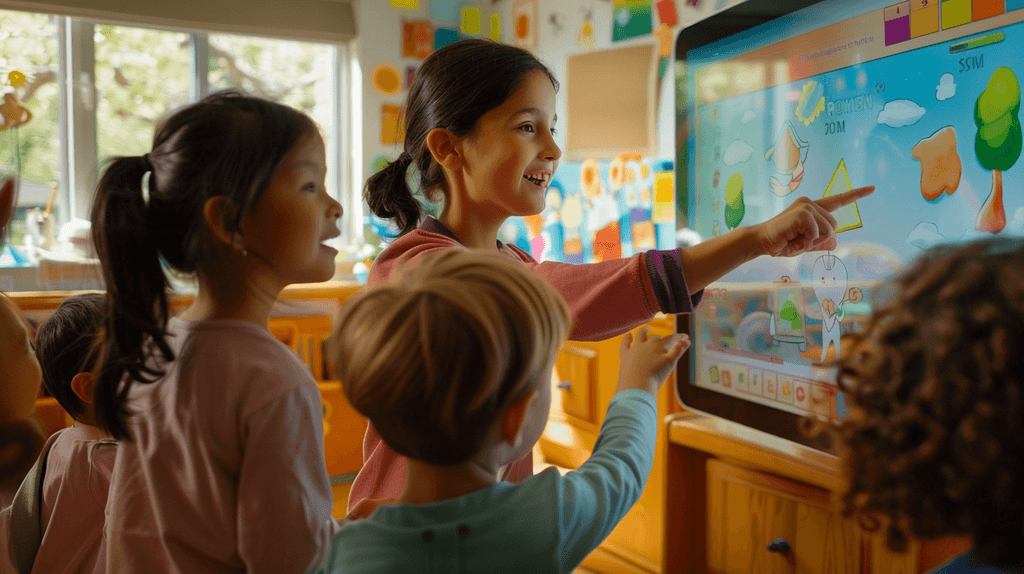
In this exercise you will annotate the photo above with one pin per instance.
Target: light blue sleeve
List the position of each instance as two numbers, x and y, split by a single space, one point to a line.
598 494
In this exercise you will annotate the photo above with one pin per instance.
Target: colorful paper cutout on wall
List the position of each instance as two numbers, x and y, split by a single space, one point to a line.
847 216
496 27
666 40
667 12
524 23
445 10
390 128
557 21
386 79
941 167
379 162
631 18
470 21
417 39
444 37
406 4
585 35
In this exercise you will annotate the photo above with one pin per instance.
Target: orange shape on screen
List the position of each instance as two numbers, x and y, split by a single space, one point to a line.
940 163
992 217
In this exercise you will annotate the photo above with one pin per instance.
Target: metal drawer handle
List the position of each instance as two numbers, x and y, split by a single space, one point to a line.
565 385
780 546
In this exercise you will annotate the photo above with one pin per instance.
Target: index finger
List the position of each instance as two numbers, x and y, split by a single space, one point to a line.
834 202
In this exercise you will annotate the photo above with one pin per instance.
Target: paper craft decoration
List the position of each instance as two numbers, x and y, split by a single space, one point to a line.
386 80
470 20
390 132
445 36
405 4
410 76
631 18
524 23
417 39
445 10
496 27
667 12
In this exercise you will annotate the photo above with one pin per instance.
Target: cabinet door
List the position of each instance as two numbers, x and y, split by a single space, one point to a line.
748 510
576 366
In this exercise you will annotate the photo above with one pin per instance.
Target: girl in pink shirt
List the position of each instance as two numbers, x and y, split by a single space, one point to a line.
221 467
479 127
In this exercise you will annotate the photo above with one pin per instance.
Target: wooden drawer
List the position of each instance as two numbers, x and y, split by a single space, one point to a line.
576 366
747 510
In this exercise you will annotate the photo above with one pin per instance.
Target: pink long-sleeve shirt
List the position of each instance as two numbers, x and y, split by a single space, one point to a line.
606 299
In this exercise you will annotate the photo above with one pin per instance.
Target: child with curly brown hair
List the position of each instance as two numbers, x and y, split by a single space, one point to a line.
935 435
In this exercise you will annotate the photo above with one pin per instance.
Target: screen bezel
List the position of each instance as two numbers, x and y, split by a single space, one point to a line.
715 28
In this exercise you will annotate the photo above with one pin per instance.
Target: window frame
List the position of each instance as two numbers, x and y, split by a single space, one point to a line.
79 160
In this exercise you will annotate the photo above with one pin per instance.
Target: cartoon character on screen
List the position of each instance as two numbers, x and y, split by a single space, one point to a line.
552 234
787 155
602 210
572 219
830 279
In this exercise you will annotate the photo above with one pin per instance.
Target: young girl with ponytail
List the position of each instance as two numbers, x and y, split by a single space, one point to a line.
479 126
221 467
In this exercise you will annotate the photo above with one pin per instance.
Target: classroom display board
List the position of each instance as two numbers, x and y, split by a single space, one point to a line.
919 98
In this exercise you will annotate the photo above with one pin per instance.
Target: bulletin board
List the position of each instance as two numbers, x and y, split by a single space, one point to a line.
610 102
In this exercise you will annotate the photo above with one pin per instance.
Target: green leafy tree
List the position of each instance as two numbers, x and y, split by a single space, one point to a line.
998 143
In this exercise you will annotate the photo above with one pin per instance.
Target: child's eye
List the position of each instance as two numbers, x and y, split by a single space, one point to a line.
527 127
310 187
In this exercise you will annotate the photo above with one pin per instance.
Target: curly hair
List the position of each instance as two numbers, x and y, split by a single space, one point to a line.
936 393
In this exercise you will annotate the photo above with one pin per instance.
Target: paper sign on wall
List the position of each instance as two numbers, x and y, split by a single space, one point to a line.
667 12
524 23
445 36
390 132
405 4
445 10
496 27
631 18
470 20
417 39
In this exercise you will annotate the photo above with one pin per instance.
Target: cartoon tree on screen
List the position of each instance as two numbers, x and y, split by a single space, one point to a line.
998 143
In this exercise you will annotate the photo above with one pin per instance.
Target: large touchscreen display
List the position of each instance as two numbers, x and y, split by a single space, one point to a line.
919 98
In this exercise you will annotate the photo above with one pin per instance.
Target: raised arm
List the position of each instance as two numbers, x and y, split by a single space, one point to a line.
805 225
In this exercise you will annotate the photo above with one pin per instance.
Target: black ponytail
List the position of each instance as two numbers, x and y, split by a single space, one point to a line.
135 283
454 87
226 145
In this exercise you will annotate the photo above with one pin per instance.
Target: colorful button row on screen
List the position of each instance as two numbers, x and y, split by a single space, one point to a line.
804 394
916 18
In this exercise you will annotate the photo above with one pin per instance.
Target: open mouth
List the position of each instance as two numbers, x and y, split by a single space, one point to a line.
538 179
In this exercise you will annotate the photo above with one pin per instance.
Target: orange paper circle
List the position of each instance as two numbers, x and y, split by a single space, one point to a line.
386 79
617 173
590 179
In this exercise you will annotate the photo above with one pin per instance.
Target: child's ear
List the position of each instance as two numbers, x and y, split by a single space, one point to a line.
84 386
217 211
512 420
444 146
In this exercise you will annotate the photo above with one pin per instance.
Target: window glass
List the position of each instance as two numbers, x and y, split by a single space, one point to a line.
32 149
141 74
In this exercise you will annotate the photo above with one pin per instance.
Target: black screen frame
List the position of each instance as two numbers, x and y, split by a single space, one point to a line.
786 425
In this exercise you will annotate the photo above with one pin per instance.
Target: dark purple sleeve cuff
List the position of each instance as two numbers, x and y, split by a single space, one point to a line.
665 269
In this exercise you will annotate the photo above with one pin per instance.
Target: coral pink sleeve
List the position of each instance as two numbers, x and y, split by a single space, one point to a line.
606 299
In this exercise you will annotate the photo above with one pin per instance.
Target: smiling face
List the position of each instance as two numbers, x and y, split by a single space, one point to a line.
294 216
830 278
22 375
510 158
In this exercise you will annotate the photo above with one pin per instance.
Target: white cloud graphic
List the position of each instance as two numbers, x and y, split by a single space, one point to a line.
748 116
900 113
738 151
925 235
946 88
1017 223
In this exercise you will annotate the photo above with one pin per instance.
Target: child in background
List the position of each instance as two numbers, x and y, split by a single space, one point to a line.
223 469
479 127
935 436
79 459
451 361
20 438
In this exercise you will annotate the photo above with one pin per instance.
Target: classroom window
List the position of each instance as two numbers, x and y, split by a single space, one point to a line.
98 89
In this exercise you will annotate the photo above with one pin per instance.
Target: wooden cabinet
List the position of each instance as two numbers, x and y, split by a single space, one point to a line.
732 491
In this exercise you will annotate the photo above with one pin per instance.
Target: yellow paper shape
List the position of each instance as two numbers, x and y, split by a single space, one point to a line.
405 4
496 27
470 20
847 216
389 126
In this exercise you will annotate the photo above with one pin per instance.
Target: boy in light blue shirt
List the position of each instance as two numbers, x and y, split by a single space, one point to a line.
451 362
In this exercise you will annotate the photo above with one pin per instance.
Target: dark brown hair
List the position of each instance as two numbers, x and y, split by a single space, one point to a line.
66 344
454 87
935 436
434 356
227 144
